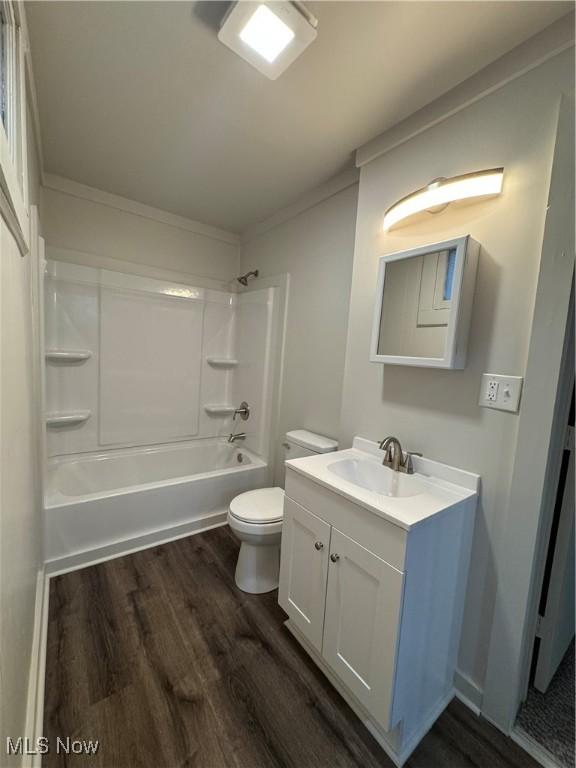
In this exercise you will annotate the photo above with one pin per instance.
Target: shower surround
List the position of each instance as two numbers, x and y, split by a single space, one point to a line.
142 377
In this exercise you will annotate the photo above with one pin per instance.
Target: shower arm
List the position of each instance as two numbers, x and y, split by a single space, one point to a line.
243 279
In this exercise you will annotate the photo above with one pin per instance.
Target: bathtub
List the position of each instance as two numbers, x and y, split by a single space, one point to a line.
105 504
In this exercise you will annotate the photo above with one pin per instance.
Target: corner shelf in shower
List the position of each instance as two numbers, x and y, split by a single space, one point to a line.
67 355
219 410
67 418
222 362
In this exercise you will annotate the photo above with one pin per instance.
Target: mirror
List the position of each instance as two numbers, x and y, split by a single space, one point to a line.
423 305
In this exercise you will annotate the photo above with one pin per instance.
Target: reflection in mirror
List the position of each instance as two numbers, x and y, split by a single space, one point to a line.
416 305
423 305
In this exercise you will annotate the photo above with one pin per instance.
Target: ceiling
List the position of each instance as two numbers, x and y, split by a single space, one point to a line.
140 99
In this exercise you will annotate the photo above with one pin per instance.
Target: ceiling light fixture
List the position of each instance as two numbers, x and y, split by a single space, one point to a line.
266 33
441 192
269 36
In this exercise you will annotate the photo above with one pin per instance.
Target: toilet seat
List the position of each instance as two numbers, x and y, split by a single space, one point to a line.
250 530
261 507
256 520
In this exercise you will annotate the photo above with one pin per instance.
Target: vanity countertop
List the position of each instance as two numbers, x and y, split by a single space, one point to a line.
405 500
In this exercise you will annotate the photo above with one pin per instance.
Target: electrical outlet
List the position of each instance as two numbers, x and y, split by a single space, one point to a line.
492 390
500 392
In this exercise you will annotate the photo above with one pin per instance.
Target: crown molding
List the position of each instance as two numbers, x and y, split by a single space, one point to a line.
100 197
547 44
316 196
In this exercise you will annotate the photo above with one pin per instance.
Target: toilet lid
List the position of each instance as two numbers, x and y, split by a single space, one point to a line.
265 505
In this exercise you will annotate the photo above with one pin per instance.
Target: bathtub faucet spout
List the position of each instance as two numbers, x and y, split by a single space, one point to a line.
240 436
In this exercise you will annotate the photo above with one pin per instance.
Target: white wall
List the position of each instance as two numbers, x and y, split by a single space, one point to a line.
316 249
20 512
20 524
79 224
436 411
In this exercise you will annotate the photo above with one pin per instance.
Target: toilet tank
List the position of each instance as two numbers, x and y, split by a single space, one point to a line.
300 442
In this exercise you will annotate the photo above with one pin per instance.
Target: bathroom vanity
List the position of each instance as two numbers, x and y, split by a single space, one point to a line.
373 574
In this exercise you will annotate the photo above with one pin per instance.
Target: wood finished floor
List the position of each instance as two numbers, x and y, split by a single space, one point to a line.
162 659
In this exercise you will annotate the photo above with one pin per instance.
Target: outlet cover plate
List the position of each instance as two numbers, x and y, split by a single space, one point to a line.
500 392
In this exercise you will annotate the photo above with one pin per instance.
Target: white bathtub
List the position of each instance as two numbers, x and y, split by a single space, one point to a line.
103 504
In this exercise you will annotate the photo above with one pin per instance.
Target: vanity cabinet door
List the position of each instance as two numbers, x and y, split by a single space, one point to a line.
304 570
361 626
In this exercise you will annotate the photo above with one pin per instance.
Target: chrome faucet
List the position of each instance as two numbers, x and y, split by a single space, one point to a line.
394 456
243 411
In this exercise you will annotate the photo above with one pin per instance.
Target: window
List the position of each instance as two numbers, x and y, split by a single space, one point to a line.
449 278
13 181
9 70
3 70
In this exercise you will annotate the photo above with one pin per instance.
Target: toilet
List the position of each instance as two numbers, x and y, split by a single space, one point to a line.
255 518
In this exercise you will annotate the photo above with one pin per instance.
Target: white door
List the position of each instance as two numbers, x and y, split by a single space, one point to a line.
303 570
557 624
363 603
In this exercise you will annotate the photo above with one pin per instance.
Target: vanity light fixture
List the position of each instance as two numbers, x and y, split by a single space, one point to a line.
441 192
268 35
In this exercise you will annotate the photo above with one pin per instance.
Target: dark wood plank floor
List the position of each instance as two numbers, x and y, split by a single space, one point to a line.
162 659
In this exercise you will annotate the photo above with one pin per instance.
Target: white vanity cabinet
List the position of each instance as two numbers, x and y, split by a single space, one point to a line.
363 603
304 570
376 604
345 600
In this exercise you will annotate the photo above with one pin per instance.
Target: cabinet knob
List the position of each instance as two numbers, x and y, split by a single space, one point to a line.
334 557
319 545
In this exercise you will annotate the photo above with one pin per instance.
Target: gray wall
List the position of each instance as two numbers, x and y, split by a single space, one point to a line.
20 507
437 411
79 224
316 249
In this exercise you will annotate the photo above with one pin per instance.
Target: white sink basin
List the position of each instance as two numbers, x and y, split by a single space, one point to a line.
377 478
357 474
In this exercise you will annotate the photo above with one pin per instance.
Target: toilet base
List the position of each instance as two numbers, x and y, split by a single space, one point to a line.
258 568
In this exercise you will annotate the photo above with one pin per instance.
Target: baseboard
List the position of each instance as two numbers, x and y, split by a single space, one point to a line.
36 678
416 737
398 757
468 692
351 700
130 545
534 749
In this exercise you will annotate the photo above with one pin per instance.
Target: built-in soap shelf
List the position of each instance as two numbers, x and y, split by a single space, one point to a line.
219 410
222 362
67 355
67 418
